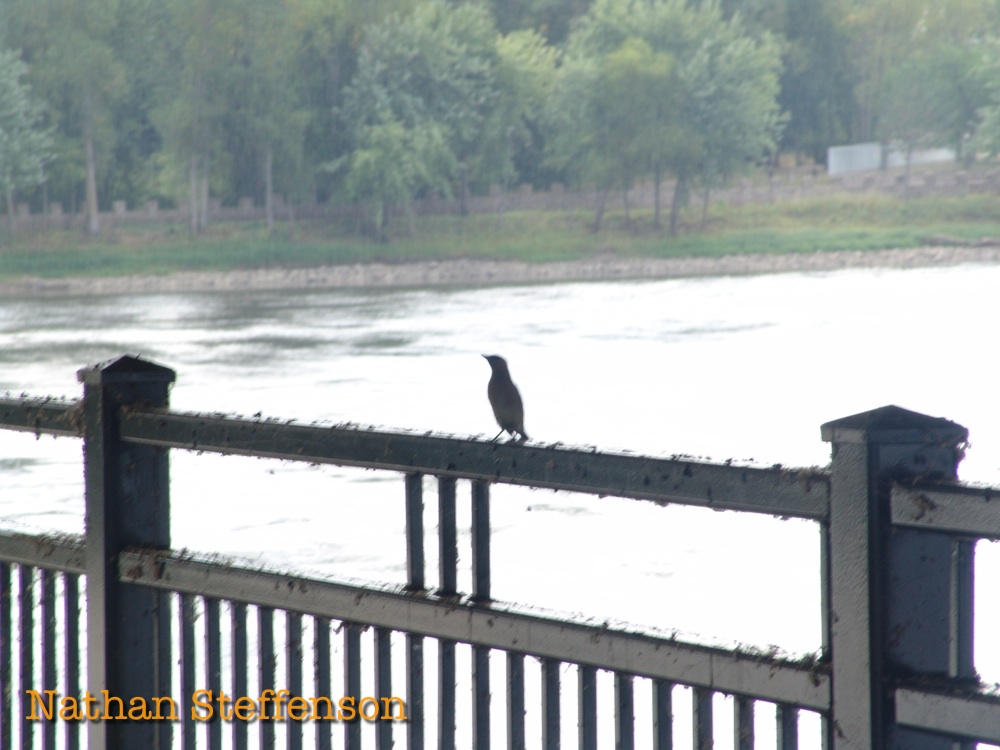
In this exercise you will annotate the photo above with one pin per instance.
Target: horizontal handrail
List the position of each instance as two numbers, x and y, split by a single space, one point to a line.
961 509
796 493
62 552
975 716
42 416
797 683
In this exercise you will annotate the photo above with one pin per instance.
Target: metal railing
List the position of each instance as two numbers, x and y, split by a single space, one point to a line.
896 668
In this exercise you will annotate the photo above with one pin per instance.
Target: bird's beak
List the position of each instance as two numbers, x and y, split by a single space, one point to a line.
485 356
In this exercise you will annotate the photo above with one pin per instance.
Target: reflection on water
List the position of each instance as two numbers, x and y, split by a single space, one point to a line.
743 368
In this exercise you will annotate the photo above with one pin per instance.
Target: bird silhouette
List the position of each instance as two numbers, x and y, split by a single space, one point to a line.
505 399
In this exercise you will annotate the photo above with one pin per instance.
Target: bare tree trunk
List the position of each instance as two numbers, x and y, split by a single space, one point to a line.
656 196
93 218
628 216
675 207
906 171
463 197
602 198
203 199
11 219
269 187
193 222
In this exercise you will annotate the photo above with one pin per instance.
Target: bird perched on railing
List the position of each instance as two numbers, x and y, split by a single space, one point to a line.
505 399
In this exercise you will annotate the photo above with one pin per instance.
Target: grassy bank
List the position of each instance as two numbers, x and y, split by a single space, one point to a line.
870 222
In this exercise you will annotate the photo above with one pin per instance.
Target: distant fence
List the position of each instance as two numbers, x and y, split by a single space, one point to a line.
780 186
897 533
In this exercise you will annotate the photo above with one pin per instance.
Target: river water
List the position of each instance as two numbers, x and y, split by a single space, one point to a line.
743 368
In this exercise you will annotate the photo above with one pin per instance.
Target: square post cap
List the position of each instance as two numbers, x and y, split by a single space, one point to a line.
909 444
894 425
126 369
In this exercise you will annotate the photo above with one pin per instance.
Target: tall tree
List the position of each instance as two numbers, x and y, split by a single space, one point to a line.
525 76
190 116
433 72
698 92
263 121
816 79
25 146
74 67
328 36
733 85
140 40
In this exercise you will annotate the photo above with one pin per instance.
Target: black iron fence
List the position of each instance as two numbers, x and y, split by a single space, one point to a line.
99 636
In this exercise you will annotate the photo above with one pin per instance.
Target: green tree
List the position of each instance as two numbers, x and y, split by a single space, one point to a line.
816 78
732 82
189 115
25 146
986 136
74 67
664 86
619 118
889 35
328 35
525 75
434 71
140 42
262 116
391 163
552 19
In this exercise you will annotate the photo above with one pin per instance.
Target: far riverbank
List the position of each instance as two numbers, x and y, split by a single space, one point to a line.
479 272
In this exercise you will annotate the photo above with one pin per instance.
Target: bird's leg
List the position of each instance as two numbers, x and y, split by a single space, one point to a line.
497 437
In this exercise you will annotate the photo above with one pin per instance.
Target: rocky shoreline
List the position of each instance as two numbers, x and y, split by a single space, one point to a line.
473 272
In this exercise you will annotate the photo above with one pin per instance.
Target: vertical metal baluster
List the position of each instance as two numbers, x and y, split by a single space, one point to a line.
267 664
743 722
448 578
47 607
383 685
415 532
550 704
663 718
481 540
515 701
415 691
71 666
189 735
26 589
624 712
446 695
323 682
588 707
352 682
481 592
293 675
447 538
239 655
213 669
481 697
415 580
6 659
702 719
788 727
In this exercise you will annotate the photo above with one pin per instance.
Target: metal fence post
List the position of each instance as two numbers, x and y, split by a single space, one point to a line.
892 609
127 504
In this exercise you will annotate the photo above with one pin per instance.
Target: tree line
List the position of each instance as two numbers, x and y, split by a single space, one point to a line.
376 102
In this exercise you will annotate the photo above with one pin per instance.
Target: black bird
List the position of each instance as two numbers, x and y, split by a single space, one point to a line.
505 399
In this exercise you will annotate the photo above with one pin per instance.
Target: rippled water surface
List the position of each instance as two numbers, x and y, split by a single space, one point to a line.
744 368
